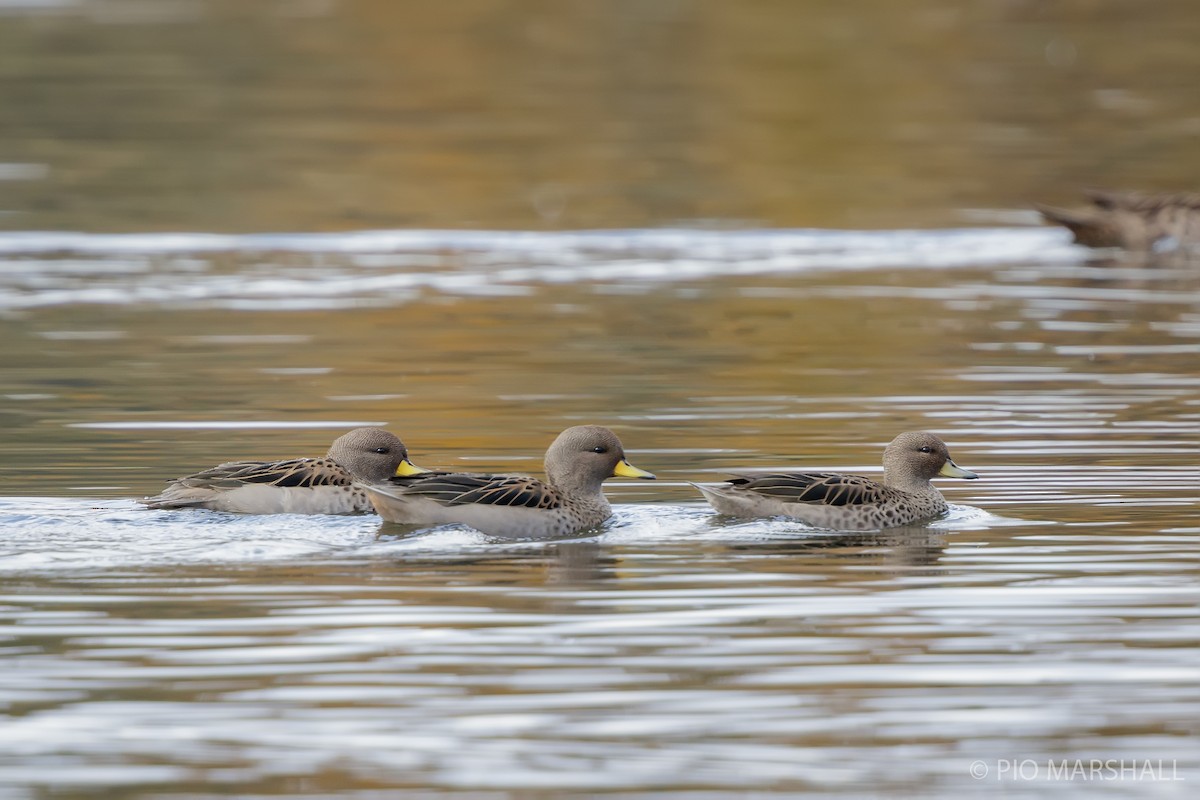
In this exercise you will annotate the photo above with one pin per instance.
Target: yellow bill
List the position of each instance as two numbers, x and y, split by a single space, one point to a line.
952 470
407 468
626 470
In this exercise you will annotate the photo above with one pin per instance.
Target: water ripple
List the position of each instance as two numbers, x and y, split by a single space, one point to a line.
298 271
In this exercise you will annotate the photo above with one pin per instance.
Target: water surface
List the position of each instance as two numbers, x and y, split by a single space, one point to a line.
1051 615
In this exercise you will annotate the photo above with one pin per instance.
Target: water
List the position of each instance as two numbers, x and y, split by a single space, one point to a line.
769 237
1051 615
669 655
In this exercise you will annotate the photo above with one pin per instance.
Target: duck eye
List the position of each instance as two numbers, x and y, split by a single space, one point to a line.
599 449
382 450
925 449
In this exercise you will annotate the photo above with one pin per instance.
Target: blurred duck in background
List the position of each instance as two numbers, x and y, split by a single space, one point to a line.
1133 221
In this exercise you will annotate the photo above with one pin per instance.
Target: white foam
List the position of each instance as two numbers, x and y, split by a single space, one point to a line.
57 534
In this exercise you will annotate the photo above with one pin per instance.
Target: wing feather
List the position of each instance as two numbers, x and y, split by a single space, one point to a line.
1136 201
296 473
817 488
462 488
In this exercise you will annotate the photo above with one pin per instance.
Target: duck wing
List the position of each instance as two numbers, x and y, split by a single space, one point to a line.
818 488
303 473
464 488
1111 200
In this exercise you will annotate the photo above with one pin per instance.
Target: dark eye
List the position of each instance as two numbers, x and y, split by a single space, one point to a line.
599 449
925 449
382 450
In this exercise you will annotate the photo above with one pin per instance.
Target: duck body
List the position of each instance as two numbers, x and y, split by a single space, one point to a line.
848 502
515 506
1133 221
295 486
508 506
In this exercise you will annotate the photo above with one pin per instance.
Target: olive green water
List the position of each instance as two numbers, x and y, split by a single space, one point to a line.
166 304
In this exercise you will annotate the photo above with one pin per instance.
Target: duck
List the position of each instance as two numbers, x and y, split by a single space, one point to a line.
568 501
848 502
1132 220
296 486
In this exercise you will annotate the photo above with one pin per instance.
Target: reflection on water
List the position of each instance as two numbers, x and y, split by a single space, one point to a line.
645 661
1052 614
383 268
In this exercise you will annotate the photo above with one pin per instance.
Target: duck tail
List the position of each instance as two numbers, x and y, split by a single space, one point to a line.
1062 216
1087 229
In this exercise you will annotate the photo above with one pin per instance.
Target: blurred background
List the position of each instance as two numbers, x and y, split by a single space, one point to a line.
328 115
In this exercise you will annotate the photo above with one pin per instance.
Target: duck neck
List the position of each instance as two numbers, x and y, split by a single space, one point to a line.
580 488
584 490
908 483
